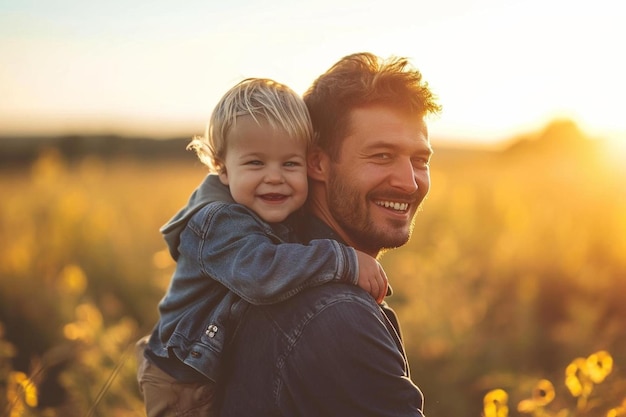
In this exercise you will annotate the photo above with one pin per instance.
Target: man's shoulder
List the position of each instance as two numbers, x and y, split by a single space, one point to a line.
321 296
325 303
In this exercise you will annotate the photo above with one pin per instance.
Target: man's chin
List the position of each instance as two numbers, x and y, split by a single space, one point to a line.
395 244
395 240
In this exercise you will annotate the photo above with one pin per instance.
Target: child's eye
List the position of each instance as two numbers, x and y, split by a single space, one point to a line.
254 162
292 164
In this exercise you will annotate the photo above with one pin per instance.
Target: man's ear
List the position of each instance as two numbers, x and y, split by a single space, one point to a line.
317 164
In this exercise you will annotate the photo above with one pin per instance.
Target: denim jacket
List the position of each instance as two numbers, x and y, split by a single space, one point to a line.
227 257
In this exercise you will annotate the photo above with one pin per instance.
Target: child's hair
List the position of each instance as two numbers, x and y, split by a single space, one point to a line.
260 98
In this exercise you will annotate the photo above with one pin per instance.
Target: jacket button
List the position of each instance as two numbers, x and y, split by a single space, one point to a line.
195 354
211 330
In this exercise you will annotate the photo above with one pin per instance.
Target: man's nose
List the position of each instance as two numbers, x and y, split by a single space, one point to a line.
404 176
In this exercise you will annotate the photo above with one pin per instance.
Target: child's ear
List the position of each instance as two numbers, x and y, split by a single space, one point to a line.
223 175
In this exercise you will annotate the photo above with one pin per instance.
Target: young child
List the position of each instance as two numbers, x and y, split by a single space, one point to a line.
231 244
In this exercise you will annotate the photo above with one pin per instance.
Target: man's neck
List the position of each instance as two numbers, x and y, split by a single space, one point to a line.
321 212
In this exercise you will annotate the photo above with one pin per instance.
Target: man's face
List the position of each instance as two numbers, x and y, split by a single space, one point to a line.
381 178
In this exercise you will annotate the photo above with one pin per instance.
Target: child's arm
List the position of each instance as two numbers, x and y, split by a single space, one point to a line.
241 253
372 277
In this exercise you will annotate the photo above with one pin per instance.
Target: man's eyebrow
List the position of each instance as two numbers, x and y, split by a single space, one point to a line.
382 145
426 150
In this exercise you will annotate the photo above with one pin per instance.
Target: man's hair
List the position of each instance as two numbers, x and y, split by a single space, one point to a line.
262 99
360 80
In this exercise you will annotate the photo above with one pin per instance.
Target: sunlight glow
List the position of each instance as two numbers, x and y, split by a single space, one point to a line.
499 68
614 149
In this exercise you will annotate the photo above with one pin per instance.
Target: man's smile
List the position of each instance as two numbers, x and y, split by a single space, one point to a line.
393 205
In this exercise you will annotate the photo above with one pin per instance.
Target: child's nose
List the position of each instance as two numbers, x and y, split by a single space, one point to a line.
274 175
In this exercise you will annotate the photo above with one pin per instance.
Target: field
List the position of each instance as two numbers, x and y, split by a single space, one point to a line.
516 267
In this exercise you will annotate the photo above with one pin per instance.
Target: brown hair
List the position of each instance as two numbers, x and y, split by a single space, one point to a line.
359 80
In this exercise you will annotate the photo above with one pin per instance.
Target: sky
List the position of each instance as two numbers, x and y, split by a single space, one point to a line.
157 68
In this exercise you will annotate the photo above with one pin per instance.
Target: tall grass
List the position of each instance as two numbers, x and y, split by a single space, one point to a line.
517 264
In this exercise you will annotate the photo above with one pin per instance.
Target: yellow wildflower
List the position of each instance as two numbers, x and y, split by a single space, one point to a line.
526 406
542 395
21 390
495 403
619 411
577 379
72 280
599 366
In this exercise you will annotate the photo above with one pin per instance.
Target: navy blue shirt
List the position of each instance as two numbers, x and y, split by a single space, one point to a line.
328 351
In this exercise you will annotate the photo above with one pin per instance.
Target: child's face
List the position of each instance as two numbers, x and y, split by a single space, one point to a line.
265 169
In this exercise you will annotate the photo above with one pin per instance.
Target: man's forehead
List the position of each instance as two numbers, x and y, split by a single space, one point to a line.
377 121
357 115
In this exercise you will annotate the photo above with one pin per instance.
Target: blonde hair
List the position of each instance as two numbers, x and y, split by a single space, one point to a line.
260 98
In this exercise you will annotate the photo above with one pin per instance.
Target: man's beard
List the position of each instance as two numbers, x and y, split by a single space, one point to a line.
355 218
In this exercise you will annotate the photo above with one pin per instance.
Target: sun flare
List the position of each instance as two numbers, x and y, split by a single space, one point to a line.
614 149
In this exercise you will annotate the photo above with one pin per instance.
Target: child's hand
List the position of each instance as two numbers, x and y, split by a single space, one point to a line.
372 277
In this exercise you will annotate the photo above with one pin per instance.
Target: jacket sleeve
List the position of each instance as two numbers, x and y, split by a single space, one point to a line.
348 362
243 254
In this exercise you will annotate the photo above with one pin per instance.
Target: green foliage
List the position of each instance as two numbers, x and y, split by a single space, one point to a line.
516 265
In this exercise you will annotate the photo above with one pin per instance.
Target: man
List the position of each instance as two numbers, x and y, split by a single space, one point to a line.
331 350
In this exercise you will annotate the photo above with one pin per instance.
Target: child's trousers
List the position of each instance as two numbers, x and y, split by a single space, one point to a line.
164 396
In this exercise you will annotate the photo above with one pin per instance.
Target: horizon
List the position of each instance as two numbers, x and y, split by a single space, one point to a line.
618 148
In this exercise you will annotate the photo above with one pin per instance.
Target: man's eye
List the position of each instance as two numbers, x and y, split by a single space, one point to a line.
382 156
421 162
